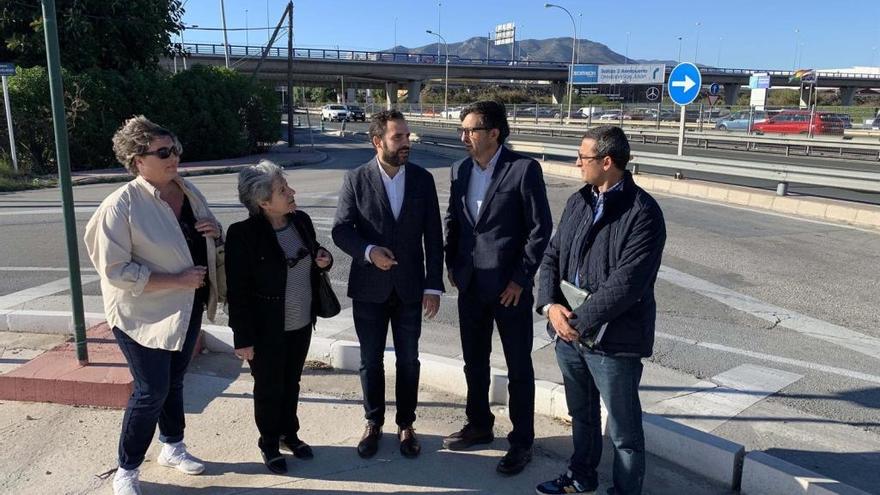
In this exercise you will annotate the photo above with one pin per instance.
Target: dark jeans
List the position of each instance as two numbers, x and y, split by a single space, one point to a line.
587 376
277 368
371 324
158 393
476 314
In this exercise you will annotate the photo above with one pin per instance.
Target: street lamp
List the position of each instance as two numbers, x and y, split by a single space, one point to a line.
446 74
697 44
573 46
247 32
796 40
182 44
679 49
626 52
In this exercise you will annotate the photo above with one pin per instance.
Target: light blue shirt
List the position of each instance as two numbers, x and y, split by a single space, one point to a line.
479 184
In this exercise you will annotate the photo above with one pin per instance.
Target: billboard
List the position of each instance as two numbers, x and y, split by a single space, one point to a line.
505 34
619 74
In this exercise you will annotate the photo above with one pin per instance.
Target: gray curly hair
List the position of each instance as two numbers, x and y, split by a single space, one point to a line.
255 185
134 138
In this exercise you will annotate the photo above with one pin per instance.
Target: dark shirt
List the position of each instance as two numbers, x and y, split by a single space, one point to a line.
195 241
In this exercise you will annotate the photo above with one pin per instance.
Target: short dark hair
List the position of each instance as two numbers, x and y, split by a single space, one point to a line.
493 115
610 141
379 122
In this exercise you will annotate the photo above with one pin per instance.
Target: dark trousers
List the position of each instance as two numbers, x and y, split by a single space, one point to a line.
477 311
158 393
277 368
588 376
371 324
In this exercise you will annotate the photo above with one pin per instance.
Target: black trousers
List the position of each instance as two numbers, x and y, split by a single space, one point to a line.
277 368
477 311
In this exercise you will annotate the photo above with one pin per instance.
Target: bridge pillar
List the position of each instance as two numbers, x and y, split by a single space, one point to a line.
390 95
558 89
414 93
731 93
351 95
846 96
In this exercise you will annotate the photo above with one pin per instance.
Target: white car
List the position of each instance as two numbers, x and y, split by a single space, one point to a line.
452 113
334 112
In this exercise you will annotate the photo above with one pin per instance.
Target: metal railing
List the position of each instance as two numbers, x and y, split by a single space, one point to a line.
779 173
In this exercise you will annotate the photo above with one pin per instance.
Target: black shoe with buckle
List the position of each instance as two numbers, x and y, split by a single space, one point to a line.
515 460
468 437
369 444
297 447
409 444
272 458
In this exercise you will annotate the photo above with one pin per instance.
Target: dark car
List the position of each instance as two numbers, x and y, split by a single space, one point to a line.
356 113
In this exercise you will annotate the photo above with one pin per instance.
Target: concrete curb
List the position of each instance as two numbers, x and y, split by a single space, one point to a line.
714 457
834 211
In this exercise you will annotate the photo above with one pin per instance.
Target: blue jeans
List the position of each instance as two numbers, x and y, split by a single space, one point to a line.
371 325
157 395
587 376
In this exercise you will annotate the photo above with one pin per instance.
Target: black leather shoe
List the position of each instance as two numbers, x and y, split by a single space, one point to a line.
272 458
468 437
515 460
409 444
369 444
297 447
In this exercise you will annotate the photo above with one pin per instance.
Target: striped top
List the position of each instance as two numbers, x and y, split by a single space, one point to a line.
298 296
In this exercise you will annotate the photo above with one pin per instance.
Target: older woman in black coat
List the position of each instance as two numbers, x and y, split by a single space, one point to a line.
273 261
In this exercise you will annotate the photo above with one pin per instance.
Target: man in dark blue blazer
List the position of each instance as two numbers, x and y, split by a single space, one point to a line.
497 226
388 221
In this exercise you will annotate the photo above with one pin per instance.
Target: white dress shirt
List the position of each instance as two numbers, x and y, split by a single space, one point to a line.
394 188
478 184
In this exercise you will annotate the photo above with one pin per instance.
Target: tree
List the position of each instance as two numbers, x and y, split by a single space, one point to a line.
106 34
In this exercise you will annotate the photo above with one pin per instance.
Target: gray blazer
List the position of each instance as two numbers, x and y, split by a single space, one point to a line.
507 240
364 217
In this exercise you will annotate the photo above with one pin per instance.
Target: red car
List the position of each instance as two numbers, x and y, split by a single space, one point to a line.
798 122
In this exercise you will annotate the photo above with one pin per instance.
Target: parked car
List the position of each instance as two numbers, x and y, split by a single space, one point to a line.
615 115
739 121
451 113
798 122
846 118
356 113
334 112
876 125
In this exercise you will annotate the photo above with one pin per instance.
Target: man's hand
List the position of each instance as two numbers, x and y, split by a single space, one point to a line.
208 228
192 278
431 304
511 294
559 316
245 353
382 258
323 258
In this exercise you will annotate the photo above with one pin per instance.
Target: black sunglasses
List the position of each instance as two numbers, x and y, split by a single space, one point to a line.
163 152
301 254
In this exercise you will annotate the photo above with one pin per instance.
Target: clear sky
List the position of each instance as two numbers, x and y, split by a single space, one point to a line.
770 34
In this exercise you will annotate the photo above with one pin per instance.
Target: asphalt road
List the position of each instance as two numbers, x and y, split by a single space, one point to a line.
738 287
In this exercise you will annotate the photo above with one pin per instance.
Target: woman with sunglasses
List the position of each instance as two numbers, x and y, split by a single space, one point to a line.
273 261
153 242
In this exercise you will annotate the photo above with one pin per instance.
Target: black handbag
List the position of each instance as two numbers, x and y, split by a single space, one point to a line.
328 305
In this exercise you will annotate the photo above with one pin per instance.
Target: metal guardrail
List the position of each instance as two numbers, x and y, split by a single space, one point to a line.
751 141
781 174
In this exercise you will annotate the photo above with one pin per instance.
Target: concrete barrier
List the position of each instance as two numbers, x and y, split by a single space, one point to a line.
764 474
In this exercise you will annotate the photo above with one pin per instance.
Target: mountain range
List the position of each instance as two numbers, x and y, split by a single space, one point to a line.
548 50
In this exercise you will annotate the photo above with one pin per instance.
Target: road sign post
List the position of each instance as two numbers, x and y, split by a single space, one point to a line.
8 69
684 86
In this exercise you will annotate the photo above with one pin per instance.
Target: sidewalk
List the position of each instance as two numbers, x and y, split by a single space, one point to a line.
56 449
278 153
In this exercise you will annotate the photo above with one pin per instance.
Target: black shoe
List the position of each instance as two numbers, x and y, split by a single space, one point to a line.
515 460
369 444
272 458
468 437
297 447
409 444
563 485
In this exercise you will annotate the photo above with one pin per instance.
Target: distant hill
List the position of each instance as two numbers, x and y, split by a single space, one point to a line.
551 50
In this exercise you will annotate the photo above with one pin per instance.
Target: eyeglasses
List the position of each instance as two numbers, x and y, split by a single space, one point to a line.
163 152
471 130
302 253
585 158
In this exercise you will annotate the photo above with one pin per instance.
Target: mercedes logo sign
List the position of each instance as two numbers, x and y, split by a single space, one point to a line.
652 93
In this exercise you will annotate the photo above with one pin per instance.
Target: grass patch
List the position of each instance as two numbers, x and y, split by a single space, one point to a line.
11 180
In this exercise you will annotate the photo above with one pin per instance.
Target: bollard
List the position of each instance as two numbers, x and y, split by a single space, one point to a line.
782 189
322 125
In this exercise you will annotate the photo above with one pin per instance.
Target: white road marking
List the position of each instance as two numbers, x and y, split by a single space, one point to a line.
79 210
811 327
724 396
41 269
775 359
10 300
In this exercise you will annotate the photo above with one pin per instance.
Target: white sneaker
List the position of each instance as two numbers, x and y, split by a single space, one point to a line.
126 482
175 455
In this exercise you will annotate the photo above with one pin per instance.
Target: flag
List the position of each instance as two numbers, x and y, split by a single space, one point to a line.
803 76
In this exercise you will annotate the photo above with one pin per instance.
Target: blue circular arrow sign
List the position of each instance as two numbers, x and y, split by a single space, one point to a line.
684 83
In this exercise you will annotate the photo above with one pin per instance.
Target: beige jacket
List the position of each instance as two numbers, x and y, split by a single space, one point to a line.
133 234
